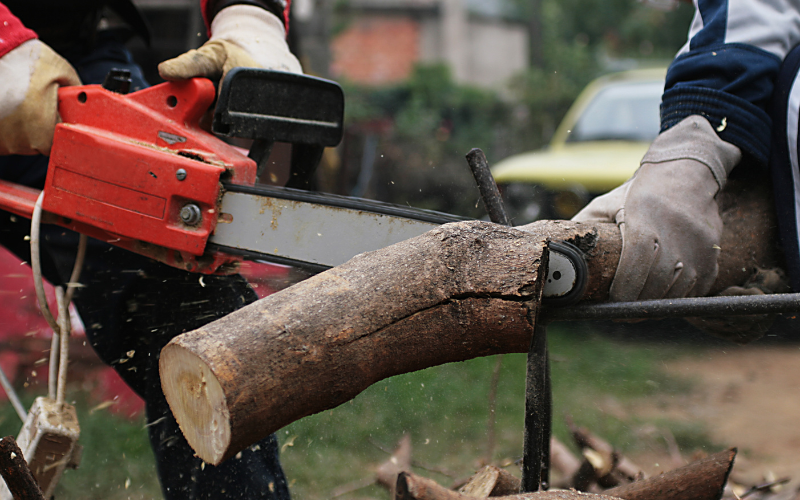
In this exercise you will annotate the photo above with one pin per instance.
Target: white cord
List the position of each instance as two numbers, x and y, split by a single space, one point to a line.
59 346
12 396
36 264
63 358
52 377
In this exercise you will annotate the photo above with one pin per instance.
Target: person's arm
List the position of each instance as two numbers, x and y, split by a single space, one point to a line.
242 34
30 75
727 69
280 8
713 113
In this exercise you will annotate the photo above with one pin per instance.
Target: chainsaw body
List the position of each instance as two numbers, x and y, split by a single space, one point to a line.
138 171
139 168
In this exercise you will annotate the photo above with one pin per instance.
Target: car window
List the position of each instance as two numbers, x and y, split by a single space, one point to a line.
623 111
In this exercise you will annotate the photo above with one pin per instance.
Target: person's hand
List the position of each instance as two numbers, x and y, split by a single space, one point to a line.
241 36
668 214
30 76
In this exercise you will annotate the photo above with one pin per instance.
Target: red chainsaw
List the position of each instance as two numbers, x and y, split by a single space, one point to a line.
137 170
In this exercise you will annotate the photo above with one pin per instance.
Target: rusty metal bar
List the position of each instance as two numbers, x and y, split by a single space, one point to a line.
538 415
780 303
538 392
488 188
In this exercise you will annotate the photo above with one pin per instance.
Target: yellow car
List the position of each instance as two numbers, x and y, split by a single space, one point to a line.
596 148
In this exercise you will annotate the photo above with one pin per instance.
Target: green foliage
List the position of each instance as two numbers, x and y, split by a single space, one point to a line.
444 409
434 121
615 28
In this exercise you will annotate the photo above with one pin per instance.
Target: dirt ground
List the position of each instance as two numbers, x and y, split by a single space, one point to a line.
748 397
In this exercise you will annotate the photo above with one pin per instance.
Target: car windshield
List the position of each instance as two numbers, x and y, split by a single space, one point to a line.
625 111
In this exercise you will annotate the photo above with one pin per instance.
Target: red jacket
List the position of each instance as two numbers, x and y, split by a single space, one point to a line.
13 32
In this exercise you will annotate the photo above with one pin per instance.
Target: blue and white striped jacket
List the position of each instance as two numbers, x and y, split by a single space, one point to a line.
727 70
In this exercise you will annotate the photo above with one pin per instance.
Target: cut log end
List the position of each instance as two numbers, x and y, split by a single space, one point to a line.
197 401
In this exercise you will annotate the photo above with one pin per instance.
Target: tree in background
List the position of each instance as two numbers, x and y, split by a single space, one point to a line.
406 143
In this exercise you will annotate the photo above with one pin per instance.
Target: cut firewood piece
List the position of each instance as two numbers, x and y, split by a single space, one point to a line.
400 461
15 471
562 462
584 477
703 479
413 487
491 481
611 468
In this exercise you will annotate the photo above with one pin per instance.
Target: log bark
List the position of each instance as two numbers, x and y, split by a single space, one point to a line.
422 302
413 487
703 479
15 472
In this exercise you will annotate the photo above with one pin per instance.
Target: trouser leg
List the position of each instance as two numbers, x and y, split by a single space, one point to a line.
154 304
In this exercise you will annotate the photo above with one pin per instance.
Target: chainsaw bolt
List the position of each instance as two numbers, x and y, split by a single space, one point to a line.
191 215
180 174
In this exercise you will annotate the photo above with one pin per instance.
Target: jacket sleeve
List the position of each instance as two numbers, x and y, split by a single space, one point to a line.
727 69
207 5
12 31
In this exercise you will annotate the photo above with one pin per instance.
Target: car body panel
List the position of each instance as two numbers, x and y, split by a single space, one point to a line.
598 166
596 147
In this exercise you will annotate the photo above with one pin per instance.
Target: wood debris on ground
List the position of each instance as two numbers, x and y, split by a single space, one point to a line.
598 472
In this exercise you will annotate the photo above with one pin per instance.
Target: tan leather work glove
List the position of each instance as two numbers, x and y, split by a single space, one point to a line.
30 76
668 214
241 36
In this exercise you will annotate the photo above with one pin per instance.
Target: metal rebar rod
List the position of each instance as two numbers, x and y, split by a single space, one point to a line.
538 415
487 187
680 308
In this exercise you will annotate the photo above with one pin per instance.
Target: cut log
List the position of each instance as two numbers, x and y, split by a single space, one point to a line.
413 487
423 302
703 479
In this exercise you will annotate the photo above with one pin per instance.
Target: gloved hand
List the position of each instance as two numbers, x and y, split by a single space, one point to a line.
668 214
30 76
241 36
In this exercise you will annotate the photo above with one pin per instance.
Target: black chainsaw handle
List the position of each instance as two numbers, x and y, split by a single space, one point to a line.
273 106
